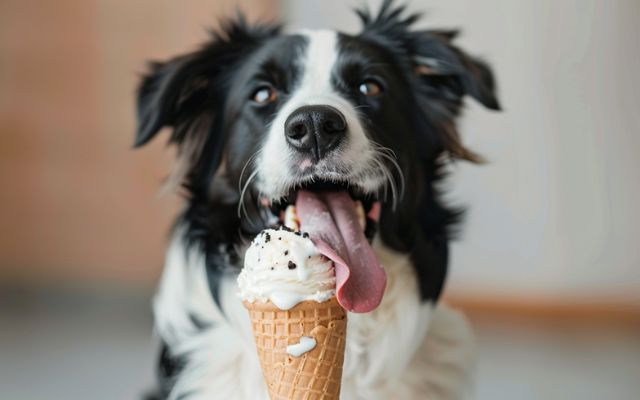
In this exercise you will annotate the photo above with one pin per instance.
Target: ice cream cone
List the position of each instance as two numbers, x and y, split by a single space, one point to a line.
316 373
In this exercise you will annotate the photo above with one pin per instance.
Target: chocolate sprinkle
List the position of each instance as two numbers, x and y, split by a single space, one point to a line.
286 252
305 235
267 237
292 265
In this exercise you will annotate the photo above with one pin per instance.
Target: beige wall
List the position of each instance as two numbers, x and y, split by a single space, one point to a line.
76 203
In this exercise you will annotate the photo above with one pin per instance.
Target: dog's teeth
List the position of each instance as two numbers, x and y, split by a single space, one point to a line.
362 219
291 220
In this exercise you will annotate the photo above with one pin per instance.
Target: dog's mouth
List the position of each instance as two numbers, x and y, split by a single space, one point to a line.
367 206
341 221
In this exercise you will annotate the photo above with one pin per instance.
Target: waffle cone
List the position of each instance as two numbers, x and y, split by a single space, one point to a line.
317 373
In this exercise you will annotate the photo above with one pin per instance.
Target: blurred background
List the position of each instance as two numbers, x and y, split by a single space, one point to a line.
547 266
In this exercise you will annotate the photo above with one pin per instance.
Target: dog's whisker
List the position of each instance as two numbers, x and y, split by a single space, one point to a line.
393 161
392 185
241 206
252 158
388 185
382 153
241 189
391 156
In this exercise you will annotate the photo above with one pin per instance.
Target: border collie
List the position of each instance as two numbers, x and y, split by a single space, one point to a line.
256 116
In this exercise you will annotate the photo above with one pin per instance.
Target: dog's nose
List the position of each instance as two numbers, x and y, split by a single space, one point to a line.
315 130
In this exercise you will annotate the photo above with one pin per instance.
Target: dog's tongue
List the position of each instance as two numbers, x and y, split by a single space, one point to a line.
331 220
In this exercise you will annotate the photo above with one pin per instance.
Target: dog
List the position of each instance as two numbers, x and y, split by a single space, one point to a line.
257 116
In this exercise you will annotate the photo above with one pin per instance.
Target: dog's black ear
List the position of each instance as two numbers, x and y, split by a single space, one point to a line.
447 71
450 71
177 92
165 92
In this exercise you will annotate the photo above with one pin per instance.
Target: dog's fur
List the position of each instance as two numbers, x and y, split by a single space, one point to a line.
232 154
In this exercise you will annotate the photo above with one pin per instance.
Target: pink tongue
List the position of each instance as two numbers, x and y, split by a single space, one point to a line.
331 220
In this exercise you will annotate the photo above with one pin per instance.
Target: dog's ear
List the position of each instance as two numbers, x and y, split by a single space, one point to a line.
441 75
177 93
449 71
169 90
187 94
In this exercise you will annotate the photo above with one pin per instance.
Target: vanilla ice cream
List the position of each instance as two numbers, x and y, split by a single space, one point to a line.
286 268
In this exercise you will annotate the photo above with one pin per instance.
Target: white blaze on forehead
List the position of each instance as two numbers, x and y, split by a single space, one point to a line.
319 62
277 160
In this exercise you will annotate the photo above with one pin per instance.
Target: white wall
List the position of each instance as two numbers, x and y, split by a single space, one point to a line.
554 213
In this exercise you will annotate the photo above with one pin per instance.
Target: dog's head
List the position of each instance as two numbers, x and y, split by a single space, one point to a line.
262 119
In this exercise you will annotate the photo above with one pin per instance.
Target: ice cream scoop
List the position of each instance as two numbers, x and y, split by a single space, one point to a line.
285 267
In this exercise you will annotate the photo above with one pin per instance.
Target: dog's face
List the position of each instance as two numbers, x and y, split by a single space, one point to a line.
319 109
313 107
259 116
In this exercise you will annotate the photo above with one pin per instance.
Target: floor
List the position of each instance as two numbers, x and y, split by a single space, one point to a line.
60 347
532 360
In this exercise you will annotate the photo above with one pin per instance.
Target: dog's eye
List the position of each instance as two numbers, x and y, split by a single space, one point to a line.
264 95
370 88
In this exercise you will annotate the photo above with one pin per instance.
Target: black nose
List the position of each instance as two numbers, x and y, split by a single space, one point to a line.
315 130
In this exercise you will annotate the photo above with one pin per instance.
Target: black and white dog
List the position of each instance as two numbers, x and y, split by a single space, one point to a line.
256 116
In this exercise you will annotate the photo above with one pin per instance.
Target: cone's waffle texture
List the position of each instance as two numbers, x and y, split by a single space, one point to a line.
314 375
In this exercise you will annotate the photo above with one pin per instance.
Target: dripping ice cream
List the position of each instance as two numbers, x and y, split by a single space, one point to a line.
285 267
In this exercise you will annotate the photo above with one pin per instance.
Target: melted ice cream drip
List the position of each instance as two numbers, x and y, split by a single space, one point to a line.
306 344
